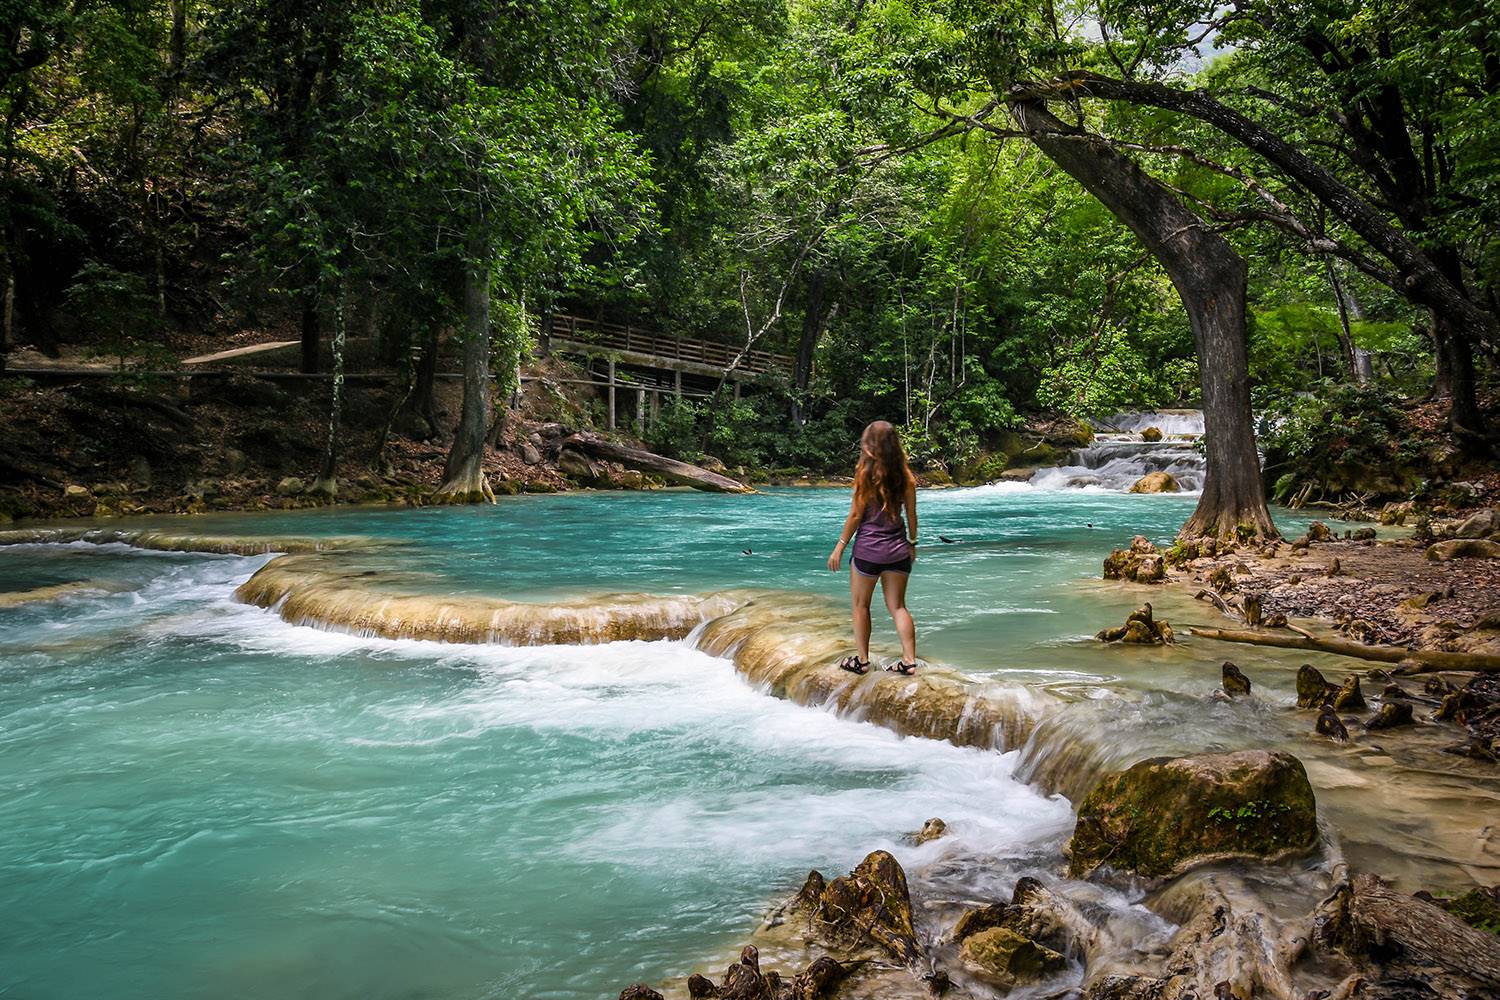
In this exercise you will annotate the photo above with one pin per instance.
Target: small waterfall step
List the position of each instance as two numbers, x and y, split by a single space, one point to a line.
1120 453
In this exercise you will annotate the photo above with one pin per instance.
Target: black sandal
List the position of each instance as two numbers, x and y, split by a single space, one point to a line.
855 665
902 667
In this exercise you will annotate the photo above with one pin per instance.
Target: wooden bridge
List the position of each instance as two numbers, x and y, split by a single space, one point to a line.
650 364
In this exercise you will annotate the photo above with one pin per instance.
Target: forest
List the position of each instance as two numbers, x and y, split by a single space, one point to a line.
432 431
952 215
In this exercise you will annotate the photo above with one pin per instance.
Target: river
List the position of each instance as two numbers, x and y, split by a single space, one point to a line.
199 797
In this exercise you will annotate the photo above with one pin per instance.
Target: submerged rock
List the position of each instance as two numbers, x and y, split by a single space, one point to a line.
1156 482
931 830
1164 815
1236 684
1329 724
1391 715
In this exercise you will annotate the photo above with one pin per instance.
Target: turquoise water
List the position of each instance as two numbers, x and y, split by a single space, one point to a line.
199 798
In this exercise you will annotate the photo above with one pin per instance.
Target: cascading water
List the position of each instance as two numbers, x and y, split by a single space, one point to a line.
1121 453
196 790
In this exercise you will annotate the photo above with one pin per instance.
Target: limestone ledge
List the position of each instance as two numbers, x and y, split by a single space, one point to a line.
167 541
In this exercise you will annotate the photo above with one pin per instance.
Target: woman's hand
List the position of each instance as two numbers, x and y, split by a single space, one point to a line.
836 558
913 547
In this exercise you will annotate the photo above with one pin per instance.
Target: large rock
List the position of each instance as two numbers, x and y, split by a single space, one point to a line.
1156 482
1164 815
1151 434
1008 959
1484 524
1464 548
290 486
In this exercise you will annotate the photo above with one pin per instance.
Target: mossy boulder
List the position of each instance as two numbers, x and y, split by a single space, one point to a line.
1164 815
1071 434
1008 959
1038 454
985 468
1152 434
1464 548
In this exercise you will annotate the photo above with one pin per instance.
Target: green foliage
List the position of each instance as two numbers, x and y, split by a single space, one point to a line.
117 308
1336 437
675 432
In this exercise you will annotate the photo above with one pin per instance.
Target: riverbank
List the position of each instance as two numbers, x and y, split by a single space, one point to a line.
233 441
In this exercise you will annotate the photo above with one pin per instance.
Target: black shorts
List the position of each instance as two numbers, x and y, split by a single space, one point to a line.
866 568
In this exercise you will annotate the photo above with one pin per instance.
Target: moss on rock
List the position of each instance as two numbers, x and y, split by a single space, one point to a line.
1164 815
1008 958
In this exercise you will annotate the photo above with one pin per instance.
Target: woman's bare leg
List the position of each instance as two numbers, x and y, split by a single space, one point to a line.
861 589
893 587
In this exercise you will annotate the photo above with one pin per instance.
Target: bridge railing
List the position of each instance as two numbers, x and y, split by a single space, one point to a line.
623 337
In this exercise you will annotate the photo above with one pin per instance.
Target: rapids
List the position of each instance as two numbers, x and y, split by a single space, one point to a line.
201 794
1120 455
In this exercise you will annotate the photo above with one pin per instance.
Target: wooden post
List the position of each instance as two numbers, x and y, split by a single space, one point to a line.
611 393
677 385
736 391
640 410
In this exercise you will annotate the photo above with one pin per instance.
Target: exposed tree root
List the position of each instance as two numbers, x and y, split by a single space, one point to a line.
1413 661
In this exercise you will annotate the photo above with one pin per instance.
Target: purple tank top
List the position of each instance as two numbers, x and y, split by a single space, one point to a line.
881 537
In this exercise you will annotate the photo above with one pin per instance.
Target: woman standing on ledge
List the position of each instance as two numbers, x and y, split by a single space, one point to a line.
886 545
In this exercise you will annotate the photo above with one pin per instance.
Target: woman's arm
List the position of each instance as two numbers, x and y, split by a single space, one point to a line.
911 518
851 525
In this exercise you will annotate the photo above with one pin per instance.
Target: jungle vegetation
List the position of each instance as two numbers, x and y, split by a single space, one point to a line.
949 213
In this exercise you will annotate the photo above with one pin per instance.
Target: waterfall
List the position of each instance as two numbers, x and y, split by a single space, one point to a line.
1120 454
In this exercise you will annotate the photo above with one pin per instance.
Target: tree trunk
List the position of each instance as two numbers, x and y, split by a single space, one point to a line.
1442 379
421 408
1210 278
312 334
807 345
1465 419
1346 332
178 43
7 307
327 481
646 461
463 477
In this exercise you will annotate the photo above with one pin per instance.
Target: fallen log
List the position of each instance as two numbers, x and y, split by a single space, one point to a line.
645 461
1411 940
1413 661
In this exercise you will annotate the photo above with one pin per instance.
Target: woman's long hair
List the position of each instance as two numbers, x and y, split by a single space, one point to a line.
882 476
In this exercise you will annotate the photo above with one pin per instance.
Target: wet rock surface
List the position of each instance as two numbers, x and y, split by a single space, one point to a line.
1141 627
1156 482
872 903
1141 562
1164 815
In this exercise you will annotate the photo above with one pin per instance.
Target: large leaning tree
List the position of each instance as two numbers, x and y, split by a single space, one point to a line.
1366 133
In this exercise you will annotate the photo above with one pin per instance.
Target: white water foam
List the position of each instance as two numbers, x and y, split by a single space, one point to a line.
611 693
